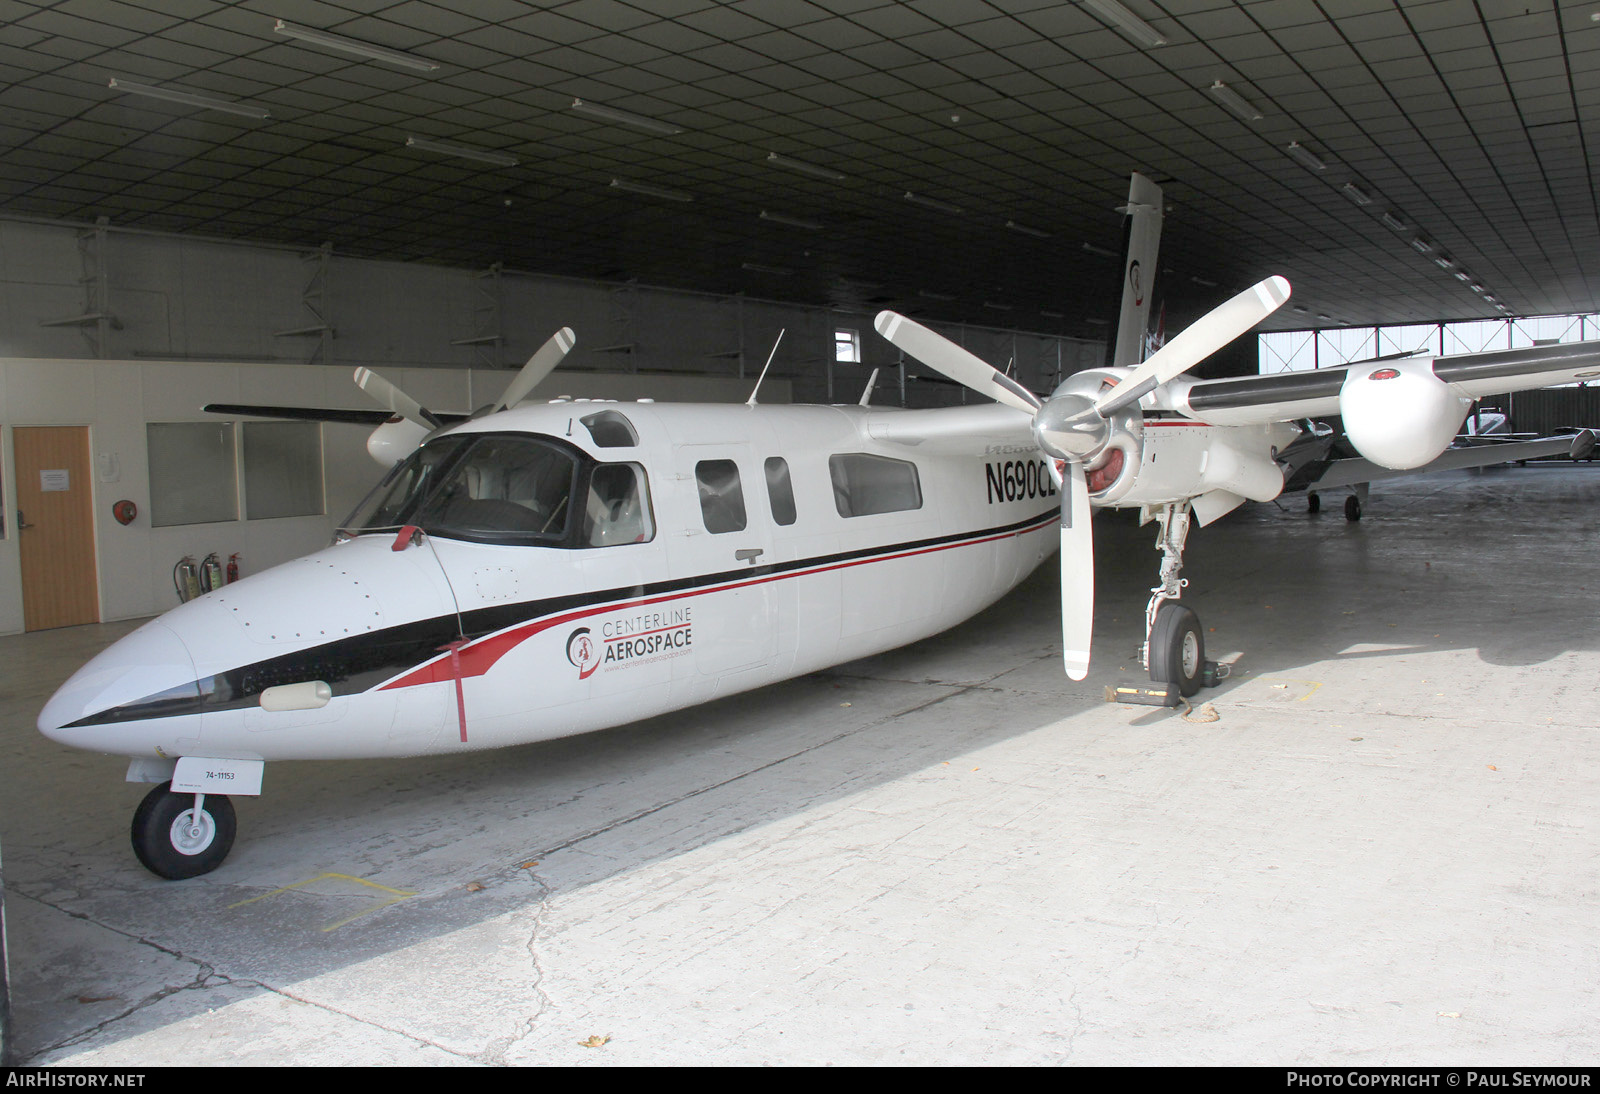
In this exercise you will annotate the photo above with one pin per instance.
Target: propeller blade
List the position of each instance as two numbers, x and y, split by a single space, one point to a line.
540 365
1198 341
943 355
395 399
1077 572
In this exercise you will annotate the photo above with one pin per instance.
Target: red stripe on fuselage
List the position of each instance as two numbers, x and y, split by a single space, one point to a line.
479 657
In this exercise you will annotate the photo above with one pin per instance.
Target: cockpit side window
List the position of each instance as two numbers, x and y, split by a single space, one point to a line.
490 488
618 508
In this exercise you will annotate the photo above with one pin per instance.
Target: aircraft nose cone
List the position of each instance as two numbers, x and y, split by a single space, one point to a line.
151 660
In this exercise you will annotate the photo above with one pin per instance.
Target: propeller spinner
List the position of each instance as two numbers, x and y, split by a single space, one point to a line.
1076 430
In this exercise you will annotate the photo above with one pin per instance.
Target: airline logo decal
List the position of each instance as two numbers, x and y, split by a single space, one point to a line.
1134 280
632 640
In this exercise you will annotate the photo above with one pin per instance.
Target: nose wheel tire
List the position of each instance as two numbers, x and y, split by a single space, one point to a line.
173 841
1177 649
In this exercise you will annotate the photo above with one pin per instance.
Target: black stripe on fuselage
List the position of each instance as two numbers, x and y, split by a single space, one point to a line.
361 662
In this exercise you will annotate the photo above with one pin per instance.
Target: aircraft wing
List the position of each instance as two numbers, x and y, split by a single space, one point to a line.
1312 393
1348 472
315 414
982 429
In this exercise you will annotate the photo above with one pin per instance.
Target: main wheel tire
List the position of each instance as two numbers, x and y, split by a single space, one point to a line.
1352 508
168 841
1177 649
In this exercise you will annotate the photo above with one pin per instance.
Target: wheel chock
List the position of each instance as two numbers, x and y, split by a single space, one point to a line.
1144 695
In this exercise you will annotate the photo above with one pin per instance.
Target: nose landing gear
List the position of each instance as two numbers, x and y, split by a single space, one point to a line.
180 836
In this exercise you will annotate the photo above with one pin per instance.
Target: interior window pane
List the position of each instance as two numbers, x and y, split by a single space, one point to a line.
192 478
721 497
282 469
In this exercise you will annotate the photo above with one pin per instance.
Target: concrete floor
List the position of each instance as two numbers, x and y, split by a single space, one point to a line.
1384 851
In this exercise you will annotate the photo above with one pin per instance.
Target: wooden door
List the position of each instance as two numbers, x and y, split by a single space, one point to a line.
55 520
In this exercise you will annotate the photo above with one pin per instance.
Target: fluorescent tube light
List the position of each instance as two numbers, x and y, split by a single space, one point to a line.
804 168
1052 314
1203 281
1235 102
1421 246
499 159
651 191
927 295
996 306
1463 276
1394 222
757 267
1356 194
353 46
793 222
1305 156
932 203
171 95
1127 22
1101 251
622 117
1027 231
1445 262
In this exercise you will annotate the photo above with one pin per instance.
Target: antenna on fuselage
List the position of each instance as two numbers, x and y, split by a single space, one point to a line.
871 383
752 400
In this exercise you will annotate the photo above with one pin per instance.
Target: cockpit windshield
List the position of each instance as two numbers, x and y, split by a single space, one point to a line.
486 487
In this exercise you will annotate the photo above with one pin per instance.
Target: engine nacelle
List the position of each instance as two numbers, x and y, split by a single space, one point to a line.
1400 415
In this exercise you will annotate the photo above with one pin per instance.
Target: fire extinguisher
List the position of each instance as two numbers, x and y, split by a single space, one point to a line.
233 568
186 579
211 572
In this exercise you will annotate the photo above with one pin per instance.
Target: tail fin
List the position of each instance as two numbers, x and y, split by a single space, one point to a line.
1139 270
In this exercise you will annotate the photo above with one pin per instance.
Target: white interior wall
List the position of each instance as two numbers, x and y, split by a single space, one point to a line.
115 399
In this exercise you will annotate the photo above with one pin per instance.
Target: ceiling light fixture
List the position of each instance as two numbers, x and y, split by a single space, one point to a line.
1052 314
996 306
352 45
1101 251
756 267
1421 246
932 203
171 95
1305 156
804 168
1027 231
1445 262
1463 276
1235 102
499 159
1394 222
1356 194
1127 22
622 117
1203 281
925 294
651 191
793 222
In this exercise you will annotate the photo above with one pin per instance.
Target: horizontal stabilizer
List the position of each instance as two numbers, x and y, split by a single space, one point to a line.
1352 471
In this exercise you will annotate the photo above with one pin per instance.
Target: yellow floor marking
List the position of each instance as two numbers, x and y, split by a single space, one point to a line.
1313 684
399 895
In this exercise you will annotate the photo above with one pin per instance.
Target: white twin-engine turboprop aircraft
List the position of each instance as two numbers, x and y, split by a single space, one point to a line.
536 571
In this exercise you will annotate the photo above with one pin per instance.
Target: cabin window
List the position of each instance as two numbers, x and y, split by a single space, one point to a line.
610 430
721 497
864 484
780 491
618 509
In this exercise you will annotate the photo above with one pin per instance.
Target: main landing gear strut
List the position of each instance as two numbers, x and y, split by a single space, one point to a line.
1175 647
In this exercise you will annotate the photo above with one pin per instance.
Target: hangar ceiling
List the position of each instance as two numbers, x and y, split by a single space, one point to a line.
965 156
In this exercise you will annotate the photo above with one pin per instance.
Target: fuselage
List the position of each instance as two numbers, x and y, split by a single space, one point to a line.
576 565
